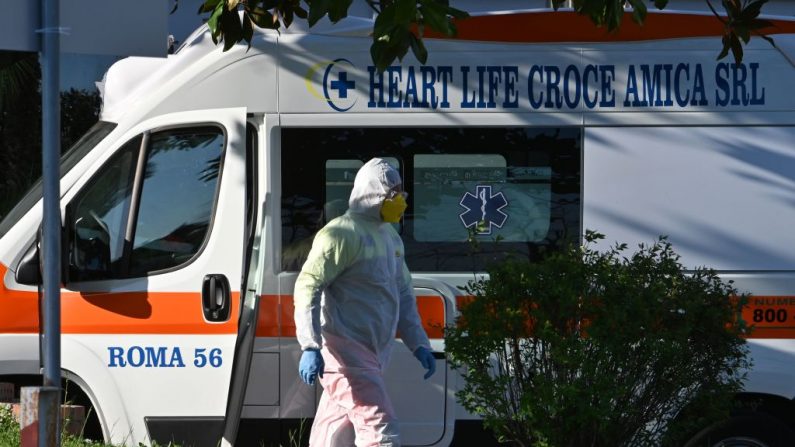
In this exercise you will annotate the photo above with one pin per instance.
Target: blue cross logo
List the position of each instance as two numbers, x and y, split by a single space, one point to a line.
339 67
483 209
343 84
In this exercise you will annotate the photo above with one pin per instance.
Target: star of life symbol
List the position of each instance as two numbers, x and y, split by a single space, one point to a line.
483 209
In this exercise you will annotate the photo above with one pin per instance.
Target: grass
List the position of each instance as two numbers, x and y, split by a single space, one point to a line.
10 436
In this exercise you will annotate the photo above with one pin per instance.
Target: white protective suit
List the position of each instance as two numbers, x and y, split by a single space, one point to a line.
352 295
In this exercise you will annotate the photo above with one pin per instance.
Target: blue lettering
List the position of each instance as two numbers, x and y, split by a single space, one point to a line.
136 356
535 69
148 356
652 85
608 74
698 88
446 75
740 94
589 69
756 100
176 359
511 95
553 87
466 103
495 78
428 88
632 89
681 102
116 354
394 86
722 83
571 70
154 357
411 90
481 102
376 85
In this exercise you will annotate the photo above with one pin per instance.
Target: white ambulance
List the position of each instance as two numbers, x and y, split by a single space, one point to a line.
189 208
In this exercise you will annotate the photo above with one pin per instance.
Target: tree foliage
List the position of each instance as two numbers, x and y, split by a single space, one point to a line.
400 24
599 348
20 123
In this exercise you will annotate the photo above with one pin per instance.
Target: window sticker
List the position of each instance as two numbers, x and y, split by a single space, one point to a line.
483 210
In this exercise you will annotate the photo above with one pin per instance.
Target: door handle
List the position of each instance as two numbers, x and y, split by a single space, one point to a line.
216 298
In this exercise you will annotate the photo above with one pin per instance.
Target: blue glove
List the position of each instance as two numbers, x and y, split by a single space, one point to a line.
425 356
310 366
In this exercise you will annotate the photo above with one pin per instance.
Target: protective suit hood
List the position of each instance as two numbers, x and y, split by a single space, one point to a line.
370 187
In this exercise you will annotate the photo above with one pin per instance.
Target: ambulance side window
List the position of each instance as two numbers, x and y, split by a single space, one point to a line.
98 216
476 195
149 209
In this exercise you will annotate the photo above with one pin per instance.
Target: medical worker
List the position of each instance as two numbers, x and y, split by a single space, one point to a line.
353 294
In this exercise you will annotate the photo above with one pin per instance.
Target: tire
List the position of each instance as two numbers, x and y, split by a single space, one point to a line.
745 431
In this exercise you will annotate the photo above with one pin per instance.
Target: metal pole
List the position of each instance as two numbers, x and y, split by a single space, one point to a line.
49 431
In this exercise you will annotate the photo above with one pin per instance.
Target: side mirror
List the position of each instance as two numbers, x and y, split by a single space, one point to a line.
29 268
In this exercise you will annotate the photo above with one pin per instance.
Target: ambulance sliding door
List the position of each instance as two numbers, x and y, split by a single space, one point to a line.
515 191
155 242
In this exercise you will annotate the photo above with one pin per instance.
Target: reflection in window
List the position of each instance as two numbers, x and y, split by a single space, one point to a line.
176 202
99 217
113 235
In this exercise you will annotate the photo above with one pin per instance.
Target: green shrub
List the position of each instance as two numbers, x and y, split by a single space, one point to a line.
599 348
9 427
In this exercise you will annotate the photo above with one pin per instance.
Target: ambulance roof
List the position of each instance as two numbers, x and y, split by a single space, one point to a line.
143 85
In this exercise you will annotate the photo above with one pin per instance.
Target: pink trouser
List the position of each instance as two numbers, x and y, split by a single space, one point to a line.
354 409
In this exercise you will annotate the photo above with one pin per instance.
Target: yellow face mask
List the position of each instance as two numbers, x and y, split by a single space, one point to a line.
392 209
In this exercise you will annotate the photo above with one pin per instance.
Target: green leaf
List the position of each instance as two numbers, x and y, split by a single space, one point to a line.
317 10
384 22
733 8
214 19
457 13
300 12
248 29
639 11
287 17
231 28
390 47
264 19
338 10
743 32
434 16
737 49
378 53
209 5
753 9
232 4
405 11
418 48
769 40
759 24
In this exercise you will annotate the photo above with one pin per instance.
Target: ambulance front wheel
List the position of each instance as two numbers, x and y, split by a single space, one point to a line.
755 430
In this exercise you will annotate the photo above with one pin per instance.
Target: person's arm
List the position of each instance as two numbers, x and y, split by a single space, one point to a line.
409 322
410 325
330 255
